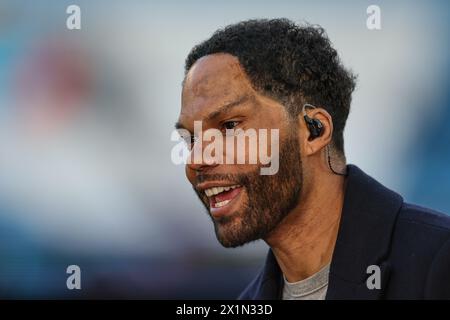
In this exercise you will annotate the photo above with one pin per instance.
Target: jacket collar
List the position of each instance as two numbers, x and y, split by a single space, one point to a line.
367 222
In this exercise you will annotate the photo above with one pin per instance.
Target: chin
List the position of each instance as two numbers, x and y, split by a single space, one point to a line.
227 243
232 236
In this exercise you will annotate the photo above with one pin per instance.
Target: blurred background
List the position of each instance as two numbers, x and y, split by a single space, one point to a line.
86 115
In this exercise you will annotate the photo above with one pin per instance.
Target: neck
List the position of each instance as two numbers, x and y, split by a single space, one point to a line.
304 241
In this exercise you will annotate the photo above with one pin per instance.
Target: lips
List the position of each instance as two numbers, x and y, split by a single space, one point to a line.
222 198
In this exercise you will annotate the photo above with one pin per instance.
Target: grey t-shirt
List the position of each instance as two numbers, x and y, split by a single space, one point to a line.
312 288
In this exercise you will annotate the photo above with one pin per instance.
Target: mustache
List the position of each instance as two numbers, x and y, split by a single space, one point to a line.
237 178
233 178
213 177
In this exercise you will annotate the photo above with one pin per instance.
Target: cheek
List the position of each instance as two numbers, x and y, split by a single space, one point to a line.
258 149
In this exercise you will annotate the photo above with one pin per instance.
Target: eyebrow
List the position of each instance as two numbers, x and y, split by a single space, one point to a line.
223 109
227 107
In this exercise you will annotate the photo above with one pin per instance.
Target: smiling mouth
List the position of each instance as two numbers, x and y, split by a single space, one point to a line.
221 198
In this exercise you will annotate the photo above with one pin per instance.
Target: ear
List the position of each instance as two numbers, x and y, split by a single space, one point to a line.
311 147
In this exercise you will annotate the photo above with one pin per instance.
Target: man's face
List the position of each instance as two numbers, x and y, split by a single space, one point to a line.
243 204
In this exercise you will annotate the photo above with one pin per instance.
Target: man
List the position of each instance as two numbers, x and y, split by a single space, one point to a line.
333 231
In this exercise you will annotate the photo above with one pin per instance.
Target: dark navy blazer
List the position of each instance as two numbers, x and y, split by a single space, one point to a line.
410 244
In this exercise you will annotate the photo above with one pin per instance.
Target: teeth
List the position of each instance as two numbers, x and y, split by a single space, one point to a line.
221 204
216 190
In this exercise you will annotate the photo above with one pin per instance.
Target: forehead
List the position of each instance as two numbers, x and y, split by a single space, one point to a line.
212 81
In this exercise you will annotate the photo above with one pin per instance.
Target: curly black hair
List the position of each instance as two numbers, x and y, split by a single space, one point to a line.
290 63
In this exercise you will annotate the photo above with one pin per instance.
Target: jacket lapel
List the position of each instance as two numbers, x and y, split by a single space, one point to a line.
368 219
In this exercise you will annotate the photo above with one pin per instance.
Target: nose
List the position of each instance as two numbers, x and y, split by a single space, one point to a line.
198 161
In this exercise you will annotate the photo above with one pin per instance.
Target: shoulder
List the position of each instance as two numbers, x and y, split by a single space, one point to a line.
420 229
423 223
420 249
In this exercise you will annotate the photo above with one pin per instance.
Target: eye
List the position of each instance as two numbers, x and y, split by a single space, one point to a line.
190 140
230 124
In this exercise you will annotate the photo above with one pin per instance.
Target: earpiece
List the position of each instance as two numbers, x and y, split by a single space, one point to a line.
315 127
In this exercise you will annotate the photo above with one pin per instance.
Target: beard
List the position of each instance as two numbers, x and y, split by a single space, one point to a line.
270 198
